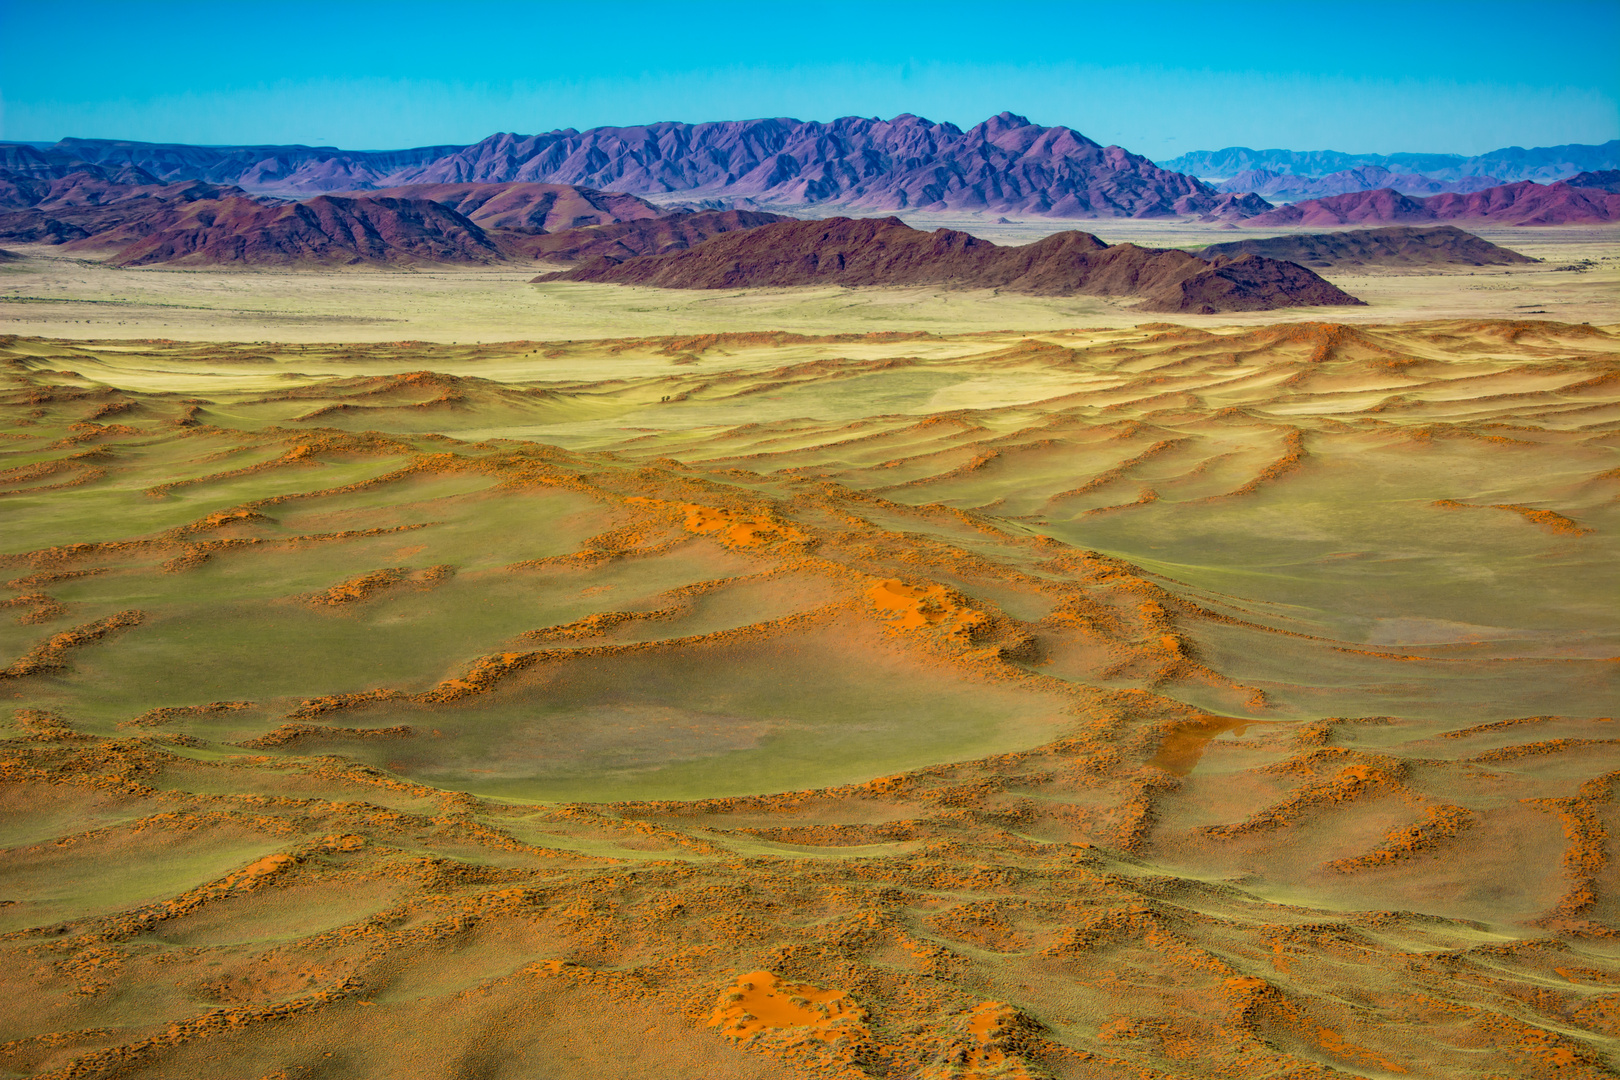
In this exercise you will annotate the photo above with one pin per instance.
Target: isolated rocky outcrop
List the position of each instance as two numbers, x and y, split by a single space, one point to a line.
33 227
199 223
1510 204
1005 164
327 230
1396 245
629 239
1603 180
529 207
886 251
94 202
92 187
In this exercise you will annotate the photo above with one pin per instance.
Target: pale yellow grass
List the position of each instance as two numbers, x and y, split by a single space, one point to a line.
52 294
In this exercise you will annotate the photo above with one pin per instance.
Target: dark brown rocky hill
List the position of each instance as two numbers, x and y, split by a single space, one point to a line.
1397 245
93 202
196 222
1525 203
629 239
326 230
527 207
886 251
1603 180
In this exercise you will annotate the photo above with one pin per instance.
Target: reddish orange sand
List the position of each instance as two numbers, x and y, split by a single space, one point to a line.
1182 749
916 606
760 1000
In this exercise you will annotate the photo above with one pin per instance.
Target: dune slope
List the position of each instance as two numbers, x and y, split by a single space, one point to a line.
1155 702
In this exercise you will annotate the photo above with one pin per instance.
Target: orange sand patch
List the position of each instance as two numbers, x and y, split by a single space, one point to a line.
732 527
760 1000
51 654
221 518
916 606
287 734
1440 824
41 608
1182 749
738 529
255 872
484 673
1362 775
1547 519
1293 457
161 716
1357 1056
363 587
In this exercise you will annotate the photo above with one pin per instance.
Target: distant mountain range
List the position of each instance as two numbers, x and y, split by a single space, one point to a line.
570 196
1287 187
1005 164
1526 203
1507 165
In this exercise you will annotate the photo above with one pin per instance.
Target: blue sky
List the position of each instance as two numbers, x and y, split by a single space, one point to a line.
1158 79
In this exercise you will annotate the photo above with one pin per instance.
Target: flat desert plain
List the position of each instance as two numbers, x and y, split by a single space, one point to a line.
48 293
434 674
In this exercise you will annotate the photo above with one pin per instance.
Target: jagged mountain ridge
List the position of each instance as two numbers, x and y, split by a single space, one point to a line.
1004 164
254 168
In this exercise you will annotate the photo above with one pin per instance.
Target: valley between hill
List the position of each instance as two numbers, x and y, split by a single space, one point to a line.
48 294
1165 700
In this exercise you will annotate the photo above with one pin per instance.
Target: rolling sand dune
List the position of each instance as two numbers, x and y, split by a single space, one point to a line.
1157 701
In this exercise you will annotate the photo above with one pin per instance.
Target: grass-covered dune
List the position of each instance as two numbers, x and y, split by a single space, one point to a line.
1159 701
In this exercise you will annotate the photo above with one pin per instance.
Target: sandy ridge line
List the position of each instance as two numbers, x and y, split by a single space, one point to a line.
51 654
